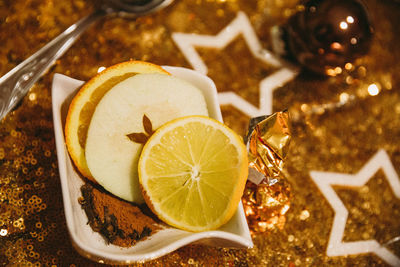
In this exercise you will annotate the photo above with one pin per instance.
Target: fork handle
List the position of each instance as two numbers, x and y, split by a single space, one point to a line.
15 84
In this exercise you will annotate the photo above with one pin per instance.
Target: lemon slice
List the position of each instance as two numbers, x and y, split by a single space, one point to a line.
192 172
82 107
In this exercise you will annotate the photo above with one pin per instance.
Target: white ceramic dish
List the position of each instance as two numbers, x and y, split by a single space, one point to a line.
89 243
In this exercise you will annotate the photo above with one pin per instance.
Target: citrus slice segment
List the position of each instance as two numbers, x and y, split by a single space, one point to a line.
85 101
125 117
192 172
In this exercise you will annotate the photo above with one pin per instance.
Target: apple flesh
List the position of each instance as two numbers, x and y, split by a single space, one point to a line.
111 156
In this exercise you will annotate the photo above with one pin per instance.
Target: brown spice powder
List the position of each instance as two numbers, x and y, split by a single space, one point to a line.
119 222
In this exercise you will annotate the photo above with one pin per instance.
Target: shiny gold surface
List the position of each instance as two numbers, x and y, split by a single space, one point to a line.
266 198
338 123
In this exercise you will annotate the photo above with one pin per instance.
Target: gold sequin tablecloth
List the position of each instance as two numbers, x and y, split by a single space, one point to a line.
345 127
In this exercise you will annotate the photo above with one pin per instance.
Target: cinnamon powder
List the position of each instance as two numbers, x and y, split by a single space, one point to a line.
119 222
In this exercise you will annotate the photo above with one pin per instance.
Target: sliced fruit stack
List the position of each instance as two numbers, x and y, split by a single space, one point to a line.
192 169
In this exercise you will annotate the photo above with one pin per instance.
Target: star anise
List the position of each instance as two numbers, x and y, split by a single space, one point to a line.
142 138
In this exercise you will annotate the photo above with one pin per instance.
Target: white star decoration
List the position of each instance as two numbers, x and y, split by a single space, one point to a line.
240 25
325 180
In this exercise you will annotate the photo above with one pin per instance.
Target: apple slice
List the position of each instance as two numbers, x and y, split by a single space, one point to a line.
124 116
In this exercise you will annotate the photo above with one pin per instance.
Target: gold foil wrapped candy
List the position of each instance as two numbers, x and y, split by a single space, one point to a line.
266 198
